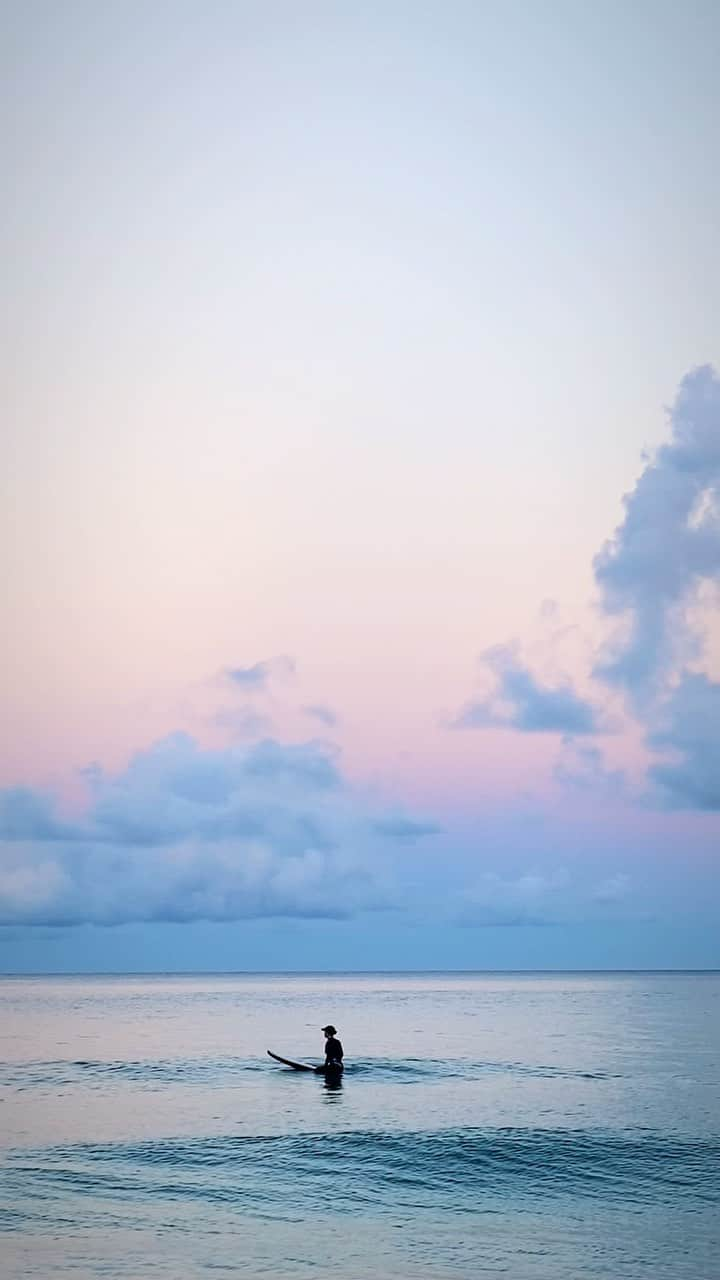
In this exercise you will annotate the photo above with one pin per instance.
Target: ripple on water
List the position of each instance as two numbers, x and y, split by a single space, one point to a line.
388 1170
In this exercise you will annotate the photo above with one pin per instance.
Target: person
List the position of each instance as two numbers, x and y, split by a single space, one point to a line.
333 1050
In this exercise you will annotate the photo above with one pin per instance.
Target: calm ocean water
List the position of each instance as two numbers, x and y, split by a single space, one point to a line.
529 1126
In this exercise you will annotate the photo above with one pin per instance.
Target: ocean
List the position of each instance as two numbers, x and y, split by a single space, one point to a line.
531 1126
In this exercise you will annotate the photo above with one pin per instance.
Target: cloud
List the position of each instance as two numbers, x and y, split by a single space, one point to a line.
520 701
495 900
583 767
326 715
667 544
689 726
186 833
652 573
256 678
25 813
543 899
405 829
111 884
242 722
615 889
658 578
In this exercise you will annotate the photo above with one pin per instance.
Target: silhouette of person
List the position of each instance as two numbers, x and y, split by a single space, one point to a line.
333 1051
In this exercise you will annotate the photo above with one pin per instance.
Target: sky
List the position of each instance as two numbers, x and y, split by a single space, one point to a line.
360 476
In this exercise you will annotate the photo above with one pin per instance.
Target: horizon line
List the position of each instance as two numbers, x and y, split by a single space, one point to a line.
331 973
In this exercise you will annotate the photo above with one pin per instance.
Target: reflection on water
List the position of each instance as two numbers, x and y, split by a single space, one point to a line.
332 1088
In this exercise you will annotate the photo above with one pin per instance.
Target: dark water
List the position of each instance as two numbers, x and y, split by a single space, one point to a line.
527 1126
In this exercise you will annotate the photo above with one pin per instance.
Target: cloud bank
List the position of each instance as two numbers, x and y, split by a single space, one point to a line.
185 833
667 544
651 573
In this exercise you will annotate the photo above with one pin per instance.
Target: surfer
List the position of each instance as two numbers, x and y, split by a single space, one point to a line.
333 1065
333 1050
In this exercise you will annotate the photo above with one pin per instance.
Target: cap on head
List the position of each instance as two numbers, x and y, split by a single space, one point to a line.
329 1030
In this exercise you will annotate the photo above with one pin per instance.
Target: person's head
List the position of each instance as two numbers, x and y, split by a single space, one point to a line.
328 1031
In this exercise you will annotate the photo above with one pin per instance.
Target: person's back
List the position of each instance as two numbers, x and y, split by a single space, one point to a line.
333 1049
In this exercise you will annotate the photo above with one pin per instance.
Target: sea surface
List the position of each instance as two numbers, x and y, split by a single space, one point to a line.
536 1127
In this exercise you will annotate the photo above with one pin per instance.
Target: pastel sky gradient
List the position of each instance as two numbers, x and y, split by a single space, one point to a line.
334 336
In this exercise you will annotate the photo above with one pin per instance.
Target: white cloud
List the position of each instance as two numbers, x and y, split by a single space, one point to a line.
666 546
183 833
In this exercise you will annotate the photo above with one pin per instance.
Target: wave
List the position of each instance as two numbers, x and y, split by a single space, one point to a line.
465 1069
459 1169
89 1072
204 1071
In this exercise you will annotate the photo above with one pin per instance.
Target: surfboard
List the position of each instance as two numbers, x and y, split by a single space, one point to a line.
334 1070
286 1062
